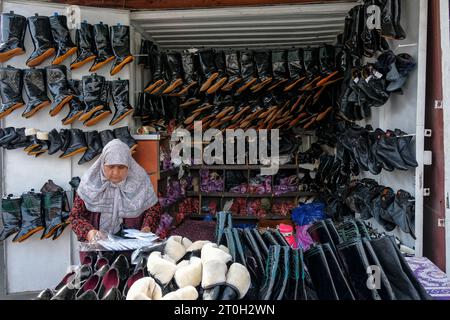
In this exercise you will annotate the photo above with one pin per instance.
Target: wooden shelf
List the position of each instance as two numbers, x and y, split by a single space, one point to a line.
249 195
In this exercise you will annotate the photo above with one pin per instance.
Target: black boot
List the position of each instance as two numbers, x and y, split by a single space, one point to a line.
34 83
320 274
271 273
94 144
77 144
106 136
76 105
123 134
356 263
264 67
11 84
120 95
279 68
173 63
219 58
120 36
387 151
401 212
52 207
31 216
296 68
59 87
248 71
103 49
208 65
13 33
94 87
190 73
61 36
55 142
403 281
11 216
9 134
157 81
41 35
404 147
85 45
98 116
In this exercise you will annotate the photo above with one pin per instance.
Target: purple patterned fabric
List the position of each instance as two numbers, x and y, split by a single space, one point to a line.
435 282
304 240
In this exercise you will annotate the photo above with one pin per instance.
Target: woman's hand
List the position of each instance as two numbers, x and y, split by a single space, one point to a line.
146 229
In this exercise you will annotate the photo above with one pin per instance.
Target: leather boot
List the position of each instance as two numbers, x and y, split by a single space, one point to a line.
380 205
120 37
55 142
8 135
31 216
106 136
59 88
104 112
401 212
120 95
404 147
402 279
77 144
219 58
52 208
157 81
263 62
341 284
296 68
326 59
13 33
320 273
61 36
34 83
271 273
94 88
94 146
233 70
123 134
296 288
76 104
41 35
103 49
312 69
388 152
356 263
11 216
85 45
386 165
190 73
208 66
248 71
173 63
11 84
279 68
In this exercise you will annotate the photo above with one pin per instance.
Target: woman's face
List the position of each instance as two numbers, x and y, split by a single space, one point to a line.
115 173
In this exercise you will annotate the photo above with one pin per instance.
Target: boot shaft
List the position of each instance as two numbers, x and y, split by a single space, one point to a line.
120 37
120 93
34 83
52 205
11 84
173 63
279 64
207 62
40 31
60 31
57 80
263 63
102 40
11 207
31 207
295 63
190 72
233 68
13 29
84 38
94 89
247 64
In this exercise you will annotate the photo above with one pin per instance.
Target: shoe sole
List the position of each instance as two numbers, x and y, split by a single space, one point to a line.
159 88
292 85
73 153
189 103
59 107
186 89
216 86
37 61
59 60
29 234
119 67
39 107
245 86
173 86
326 79
8 55
322 115
229 86
277 84
259 86
96 120
16 106
81 63
88 114
121 117
31 147
97 66
154 85
205 86
72 119
240 113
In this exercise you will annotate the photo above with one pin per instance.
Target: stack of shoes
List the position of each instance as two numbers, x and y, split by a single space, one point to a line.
340 259
69 141
32 212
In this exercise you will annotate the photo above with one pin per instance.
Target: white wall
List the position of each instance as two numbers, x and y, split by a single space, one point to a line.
35 264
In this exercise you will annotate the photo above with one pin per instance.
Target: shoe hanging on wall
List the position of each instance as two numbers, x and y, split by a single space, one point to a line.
94 91
35 89
41 35
123 134
76 143
174 72
120 37
61 36
94 144
11 216
31 216
11 84
208 67
85 46
76 104
120 96
59 88
13 34
103 49
233 70
219 58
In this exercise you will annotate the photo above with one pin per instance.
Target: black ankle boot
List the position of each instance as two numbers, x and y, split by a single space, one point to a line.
271 273
41 36
401 212
85 45
404 147
120 95
52 208
61 36
35 89
31 216
106 136
59 88
388 152
77 144
55 142
13 27
11 84
123 134
120 37
320 273
11 216
94 144
103 49
94 87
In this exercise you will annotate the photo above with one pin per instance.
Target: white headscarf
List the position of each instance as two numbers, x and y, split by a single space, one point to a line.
127 199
